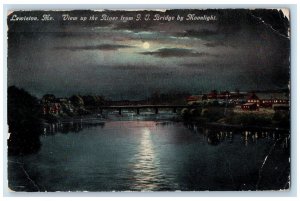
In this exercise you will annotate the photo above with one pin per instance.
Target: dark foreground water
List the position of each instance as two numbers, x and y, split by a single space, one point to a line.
153 155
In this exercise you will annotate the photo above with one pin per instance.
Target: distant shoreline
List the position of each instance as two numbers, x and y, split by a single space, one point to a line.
92 120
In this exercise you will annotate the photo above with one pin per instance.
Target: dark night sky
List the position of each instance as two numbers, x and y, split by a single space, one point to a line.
244 49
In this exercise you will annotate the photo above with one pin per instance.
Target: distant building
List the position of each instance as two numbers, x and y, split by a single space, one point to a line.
250 106
48 98
223 95
247 101
52 108
268 100
237 97
221 98
253 98
52 105
194 98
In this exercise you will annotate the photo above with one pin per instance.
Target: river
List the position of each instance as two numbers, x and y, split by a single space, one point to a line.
152 154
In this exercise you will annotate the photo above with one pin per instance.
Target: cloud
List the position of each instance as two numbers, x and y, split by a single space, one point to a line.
104 47
135 26
218 43
204 33
176 52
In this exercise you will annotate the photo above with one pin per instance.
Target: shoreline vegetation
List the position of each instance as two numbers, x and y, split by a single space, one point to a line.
27 118
216 116
24 122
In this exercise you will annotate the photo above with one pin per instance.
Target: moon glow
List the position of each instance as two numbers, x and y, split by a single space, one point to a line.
146 45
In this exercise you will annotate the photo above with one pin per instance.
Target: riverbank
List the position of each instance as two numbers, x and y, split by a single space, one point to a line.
233 122
237 118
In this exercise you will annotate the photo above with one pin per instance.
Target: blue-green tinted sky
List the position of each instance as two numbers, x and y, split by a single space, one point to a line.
242 49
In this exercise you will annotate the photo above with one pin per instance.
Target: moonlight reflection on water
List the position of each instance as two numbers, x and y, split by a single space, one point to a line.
146 167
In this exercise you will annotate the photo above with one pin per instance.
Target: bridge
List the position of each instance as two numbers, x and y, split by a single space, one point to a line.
140 107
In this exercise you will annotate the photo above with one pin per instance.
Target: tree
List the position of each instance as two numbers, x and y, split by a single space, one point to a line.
89 100
24 121
77 101
48 98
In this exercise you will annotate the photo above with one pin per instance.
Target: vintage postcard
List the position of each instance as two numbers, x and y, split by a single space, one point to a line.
148 100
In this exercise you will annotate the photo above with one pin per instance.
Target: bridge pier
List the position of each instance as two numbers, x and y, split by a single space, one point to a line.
120 111
156 110
138 111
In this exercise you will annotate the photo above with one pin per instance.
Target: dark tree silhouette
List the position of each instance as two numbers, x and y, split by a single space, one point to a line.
24 121
77 100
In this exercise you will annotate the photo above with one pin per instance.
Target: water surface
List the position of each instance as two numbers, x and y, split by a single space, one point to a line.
152 155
